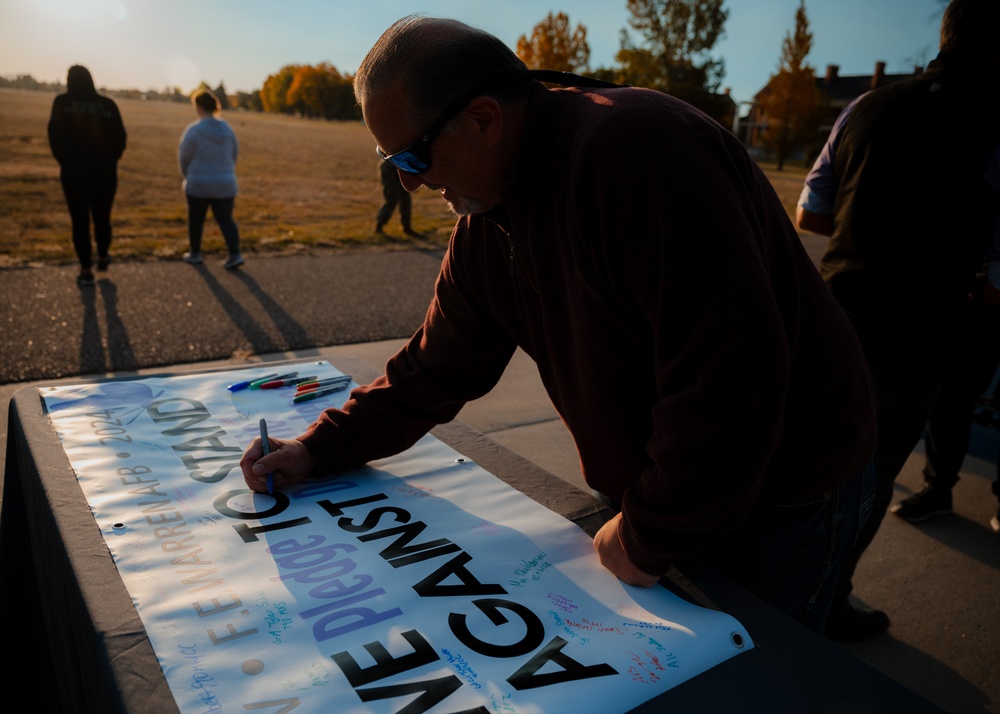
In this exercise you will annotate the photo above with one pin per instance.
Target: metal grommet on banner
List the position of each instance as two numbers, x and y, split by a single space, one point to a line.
253 666
118 528
738 640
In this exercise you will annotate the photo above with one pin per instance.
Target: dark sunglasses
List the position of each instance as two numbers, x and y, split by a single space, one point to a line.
415 159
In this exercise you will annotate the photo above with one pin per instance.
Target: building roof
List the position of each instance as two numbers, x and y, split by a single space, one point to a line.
840 89
846 88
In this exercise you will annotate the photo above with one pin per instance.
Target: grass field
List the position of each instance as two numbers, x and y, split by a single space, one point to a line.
304 186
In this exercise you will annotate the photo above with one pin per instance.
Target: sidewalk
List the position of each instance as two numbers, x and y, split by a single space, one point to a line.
938 581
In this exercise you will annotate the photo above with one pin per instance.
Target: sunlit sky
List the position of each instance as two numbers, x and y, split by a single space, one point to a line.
157 44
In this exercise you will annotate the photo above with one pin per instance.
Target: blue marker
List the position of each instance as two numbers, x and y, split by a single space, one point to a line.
243 385
265 445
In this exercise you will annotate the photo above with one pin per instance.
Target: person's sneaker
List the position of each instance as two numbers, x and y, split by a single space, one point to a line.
987 412
234 262
102 263
193 258
928 501
849 624
85 278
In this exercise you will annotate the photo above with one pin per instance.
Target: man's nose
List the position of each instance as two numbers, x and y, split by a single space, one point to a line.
410 182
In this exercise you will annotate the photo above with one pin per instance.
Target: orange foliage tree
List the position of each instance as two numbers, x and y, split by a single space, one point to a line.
553 46
318 91
274 93
322 91
791 101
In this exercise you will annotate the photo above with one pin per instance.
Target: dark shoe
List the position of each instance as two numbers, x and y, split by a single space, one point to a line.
85 278
412 233
928 501
193 258
378 229
234 262
103 263
849 624
987 412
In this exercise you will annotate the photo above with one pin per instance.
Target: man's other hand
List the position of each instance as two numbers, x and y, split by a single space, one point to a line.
612 555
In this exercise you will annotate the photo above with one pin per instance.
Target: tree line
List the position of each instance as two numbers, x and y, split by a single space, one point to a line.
667 47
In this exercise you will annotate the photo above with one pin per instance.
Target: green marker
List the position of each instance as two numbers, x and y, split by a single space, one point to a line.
316 393
321 383
256 383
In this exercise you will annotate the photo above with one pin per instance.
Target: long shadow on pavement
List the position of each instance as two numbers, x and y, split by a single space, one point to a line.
253 331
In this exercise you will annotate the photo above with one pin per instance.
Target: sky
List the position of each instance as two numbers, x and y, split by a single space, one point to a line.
161 44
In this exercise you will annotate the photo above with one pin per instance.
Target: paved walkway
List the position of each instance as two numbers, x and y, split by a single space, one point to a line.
939 581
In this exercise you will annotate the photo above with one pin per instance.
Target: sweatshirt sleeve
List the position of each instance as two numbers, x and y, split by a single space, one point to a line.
117 136
186 149
57 131
722 372
694 263
458 354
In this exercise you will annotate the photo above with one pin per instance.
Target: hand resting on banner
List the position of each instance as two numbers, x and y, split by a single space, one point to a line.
612 556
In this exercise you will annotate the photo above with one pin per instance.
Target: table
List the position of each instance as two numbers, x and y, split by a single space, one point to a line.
78 644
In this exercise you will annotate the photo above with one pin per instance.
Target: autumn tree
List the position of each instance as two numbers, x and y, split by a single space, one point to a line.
552 46
274 93
305 93
673 55
318 91
791 102
220 93
321 91
247 100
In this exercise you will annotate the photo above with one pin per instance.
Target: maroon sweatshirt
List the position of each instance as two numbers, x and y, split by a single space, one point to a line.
644 262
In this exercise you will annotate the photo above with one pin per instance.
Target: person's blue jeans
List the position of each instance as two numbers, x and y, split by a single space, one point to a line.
222 210
790 554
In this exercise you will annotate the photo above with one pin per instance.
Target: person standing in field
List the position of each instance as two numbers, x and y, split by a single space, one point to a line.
395 195
207 154
87 138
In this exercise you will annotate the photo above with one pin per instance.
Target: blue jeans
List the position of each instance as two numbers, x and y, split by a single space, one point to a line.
791 554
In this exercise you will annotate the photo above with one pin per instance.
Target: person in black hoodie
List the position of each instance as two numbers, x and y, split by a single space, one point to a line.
87 138
905 268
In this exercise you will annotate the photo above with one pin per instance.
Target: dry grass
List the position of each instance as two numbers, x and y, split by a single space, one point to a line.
304 186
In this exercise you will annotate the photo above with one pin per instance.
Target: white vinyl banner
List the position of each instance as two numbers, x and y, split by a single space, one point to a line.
420 583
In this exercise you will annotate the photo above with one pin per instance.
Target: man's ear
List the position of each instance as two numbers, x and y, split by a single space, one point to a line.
487 114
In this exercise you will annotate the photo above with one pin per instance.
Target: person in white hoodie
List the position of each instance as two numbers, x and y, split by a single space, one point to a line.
207 154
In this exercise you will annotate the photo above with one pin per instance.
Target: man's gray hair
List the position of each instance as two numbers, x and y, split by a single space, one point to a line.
435 60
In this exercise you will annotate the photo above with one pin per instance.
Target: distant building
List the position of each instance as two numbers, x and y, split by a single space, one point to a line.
837 91
721 107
